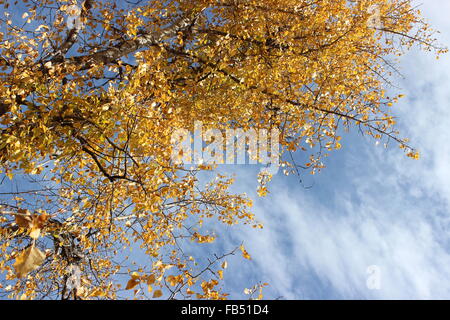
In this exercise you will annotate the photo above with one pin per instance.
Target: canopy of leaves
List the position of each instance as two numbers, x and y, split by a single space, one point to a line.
91 93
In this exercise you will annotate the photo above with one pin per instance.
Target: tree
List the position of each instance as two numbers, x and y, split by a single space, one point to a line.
92 92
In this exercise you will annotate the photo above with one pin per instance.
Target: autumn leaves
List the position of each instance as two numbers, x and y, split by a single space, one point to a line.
28 260
149 280
32 223
31 258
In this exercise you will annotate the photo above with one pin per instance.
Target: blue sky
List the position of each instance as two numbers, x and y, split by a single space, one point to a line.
371 207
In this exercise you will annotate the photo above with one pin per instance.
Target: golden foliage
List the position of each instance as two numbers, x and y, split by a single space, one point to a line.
87 111
28 260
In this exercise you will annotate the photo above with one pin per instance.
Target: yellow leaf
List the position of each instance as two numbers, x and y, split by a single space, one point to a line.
262 192
23 218
189 291
157 294
35 233
28 260
172 280
151 279
97 292
135 276
131 284
414 155
260 296
245 253
33 223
